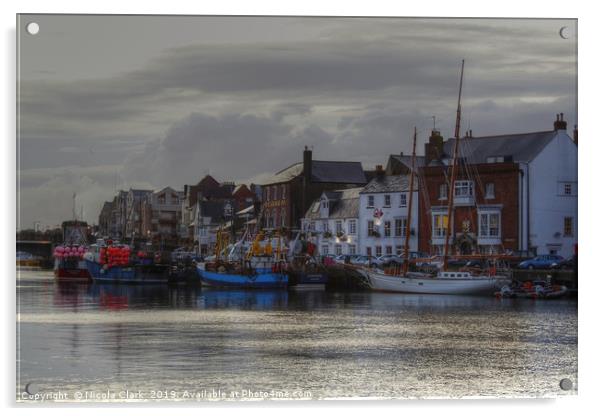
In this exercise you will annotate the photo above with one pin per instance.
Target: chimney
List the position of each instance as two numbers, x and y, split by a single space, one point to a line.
307 165
559 124
433 150
306 180
575 134
380 172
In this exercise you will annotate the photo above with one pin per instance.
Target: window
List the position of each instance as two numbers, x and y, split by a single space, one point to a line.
387 228
351 227
403 200
324 250
489 225
369 251
387 200
400 226
370 228
275 191
439 225
399 250
283 191
283 217
324 226
338 250
568 189
490 190
379 251
443 191
370 201
463 189
568 226
339 227
325 204
389 250
351 249
312 226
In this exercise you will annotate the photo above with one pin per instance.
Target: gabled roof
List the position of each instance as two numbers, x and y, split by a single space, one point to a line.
323 171
389 183
343 204
523 147
407 160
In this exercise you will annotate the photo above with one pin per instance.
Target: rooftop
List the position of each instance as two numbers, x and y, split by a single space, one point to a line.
523 147
386 183
343 204
323 171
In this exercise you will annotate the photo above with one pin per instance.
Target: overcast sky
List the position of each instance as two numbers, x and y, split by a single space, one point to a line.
113 102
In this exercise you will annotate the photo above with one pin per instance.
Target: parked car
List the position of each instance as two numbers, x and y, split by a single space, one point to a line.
544 261
388 260
566 264
361 260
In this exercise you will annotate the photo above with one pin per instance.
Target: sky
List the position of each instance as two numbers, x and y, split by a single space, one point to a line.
113 102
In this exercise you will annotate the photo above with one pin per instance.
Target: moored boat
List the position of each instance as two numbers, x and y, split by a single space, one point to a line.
444 283
69 264
260 268
532 290
112 263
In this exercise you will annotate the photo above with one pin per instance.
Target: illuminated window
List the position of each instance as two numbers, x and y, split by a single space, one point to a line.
439 225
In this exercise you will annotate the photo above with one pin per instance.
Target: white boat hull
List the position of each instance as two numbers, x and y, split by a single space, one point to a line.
434 285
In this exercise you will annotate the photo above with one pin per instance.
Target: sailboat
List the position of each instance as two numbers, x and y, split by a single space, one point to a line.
445 281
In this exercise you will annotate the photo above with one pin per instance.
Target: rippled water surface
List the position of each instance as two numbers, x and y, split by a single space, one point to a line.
109 342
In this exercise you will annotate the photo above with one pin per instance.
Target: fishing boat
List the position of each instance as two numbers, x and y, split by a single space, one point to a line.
444 281
304 271
69 264
110 262
260 268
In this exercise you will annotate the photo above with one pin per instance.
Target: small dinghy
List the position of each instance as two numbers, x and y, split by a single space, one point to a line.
534 290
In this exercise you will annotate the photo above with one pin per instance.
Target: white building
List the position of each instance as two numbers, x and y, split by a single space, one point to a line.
383 215
549 203
332 222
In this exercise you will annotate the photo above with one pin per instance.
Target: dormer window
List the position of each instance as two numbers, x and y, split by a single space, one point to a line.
325 204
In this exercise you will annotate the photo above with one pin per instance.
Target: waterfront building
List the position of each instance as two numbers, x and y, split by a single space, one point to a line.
513 192
332 222
105 219
289 192
383 215
161 216
133 219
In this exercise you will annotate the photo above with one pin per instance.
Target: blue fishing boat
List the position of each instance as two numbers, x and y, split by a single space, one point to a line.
128 274
262 278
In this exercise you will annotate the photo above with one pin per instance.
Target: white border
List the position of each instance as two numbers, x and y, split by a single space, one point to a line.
589 64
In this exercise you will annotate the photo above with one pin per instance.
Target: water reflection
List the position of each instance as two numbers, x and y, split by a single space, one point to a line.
89 336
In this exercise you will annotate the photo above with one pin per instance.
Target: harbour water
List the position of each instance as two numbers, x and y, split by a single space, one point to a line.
127 343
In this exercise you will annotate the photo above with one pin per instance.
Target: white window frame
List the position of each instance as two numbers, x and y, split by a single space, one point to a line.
485 229
338 249
387 201
403 200
338 226
443 230
403 226
378 251
351 227
351 249
490 190
387 229
443 192
465 187
370 203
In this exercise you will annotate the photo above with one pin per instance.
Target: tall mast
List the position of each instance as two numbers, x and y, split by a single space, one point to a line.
450 197
406 256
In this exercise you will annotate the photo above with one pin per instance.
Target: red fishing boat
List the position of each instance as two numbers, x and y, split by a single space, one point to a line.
69 263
